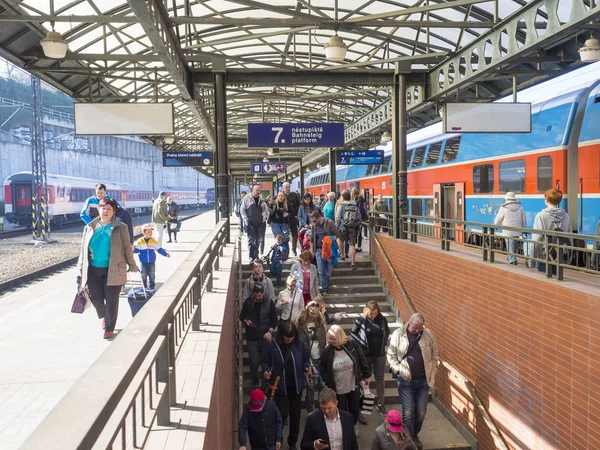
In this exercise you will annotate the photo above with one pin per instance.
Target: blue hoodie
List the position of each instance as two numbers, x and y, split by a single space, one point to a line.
90 208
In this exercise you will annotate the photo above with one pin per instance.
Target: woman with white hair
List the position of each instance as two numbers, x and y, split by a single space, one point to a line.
329 208
511 214
343 367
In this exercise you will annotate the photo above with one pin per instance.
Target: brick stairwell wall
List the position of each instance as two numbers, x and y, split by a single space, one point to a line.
223 407
530 346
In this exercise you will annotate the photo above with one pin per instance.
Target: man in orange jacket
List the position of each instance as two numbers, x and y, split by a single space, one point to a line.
322 227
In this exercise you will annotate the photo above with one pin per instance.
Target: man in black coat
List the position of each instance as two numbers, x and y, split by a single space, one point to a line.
330 428
294 201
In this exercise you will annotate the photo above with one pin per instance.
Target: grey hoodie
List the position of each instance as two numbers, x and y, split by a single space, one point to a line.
549 219
511 214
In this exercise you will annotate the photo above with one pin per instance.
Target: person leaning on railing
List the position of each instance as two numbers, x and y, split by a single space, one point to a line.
556 219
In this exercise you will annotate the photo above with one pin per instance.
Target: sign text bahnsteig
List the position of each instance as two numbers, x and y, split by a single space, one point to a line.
306 135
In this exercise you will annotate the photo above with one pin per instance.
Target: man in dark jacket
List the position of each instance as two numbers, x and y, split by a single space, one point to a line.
260 319
262 422
293 200
255 213
330 428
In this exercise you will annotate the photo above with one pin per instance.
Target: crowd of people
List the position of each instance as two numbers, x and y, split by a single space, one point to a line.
297 350
108 248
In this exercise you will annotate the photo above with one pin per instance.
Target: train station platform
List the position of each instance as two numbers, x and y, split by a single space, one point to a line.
45 348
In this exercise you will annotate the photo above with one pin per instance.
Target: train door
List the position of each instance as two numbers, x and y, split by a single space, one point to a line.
449 206
22 198
459 204
437 209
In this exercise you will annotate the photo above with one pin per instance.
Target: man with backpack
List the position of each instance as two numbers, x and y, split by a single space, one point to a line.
556 219
348 220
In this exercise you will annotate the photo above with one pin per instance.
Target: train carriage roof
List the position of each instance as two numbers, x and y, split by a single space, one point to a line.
59 180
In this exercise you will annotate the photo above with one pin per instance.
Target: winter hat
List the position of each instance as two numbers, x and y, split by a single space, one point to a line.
257 400
510 197
258 288
394 421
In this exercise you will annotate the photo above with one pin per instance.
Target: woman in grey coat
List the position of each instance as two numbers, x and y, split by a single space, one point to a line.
390 435
307 276
103 262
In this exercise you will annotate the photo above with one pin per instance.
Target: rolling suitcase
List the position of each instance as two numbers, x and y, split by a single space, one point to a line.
138 297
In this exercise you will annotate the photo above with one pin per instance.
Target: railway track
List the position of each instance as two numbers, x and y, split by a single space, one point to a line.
52 268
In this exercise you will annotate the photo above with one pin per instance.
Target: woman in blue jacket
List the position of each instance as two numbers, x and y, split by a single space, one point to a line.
306 207
285 364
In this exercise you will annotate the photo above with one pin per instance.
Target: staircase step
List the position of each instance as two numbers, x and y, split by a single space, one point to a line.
247 267
335 288
347 277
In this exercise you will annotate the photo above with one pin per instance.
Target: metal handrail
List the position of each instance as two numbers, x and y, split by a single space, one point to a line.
535 250
239 335
45 110
132 385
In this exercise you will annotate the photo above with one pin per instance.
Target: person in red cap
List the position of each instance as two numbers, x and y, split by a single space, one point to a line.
262 422
390 435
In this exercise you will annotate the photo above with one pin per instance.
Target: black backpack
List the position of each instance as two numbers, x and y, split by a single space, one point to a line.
352 217
562 241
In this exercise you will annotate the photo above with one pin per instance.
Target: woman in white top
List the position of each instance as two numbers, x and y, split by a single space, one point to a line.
343 366
511 214
290 301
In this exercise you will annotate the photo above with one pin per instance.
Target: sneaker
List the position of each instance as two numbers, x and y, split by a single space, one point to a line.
353 266
358 250
109 334
356 430
382 409
361 419
323 293
168 242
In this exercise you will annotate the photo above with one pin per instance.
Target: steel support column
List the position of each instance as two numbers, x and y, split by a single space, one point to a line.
332 170
399 119
40 222
222 178
301 178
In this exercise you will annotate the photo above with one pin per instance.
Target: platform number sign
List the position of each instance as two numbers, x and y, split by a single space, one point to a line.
269 135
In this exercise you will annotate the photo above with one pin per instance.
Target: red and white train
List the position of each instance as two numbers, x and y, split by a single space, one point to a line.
66 196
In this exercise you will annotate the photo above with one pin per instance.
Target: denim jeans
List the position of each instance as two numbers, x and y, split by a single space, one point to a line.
256 236
280 228
319 385
414 396
511 245
325 270
148 271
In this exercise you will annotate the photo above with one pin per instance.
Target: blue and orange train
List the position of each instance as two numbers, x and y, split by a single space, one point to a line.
465 176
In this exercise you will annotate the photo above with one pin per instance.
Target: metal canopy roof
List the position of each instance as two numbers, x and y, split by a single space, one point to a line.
272 51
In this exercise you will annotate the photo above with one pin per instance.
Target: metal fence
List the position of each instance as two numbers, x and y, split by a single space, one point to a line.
555 251
45 111
133 384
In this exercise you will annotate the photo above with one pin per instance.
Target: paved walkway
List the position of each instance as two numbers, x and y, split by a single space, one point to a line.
44 348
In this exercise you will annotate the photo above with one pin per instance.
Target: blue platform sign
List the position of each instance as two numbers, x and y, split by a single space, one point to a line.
187 159
281 135
360 157
268 168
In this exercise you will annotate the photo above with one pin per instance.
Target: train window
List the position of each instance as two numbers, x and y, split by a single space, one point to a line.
512 176
376 168
433 156
416 207
387 160
544 173
451 149
418 158
369 169
428 207
483 179
409 154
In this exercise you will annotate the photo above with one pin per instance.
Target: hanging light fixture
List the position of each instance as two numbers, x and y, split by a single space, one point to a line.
590 51
386 137
169 139
54 45
335 49
266 159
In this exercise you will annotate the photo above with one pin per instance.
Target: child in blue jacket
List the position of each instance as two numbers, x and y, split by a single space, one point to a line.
147 247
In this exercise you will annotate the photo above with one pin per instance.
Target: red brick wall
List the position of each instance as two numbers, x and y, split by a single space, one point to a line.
219 428
530 346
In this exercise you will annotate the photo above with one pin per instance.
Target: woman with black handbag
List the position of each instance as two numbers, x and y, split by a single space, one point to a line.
290 301
173 225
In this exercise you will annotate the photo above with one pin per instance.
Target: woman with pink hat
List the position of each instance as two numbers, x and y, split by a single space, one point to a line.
390 435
